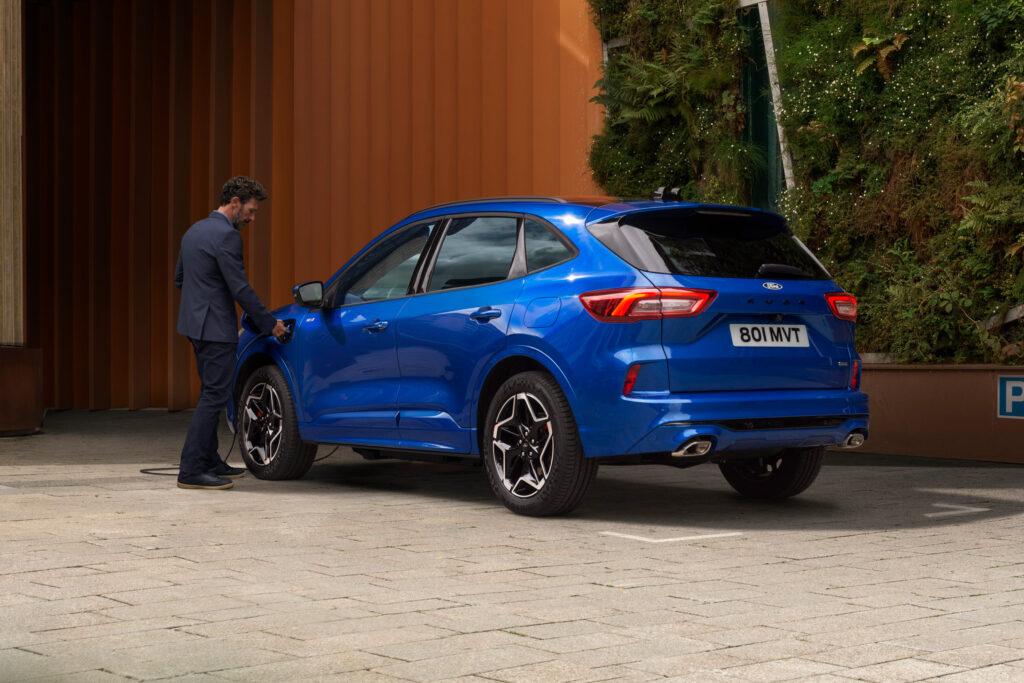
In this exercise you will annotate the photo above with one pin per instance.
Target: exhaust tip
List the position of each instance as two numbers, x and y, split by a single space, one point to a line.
853 440
694 448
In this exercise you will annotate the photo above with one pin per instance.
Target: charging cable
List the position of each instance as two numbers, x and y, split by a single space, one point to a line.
172 471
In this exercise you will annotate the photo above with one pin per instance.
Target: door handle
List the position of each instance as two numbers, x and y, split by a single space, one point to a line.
486 313
376 326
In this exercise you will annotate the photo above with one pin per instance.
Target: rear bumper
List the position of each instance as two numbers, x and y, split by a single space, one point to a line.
737 421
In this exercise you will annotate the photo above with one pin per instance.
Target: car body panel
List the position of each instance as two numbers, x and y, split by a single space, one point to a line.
348 372
442 351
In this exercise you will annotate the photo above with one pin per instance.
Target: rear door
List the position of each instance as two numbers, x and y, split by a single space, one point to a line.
448 332
769 325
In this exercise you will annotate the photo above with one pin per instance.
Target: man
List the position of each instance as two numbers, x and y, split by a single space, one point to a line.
211 277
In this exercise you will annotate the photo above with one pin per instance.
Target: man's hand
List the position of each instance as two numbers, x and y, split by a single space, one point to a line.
280 330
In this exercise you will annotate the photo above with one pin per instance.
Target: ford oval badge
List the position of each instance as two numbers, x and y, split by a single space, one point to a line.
771 285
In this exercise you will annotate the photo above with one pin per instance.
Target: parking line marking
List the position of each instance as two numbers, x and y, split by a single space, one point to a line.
631 537
954 510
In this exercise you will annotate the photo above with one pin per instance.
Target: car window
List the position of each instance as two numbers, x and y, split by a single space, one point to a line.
543 248
475 251
385 271
710 243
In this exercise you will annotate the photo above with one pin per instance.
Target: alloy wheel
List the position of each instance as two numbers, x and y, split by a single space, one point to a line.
262 423
523 445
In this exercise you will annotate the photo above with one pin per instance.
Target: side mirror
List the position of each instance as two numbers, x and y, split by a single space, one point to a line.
309 294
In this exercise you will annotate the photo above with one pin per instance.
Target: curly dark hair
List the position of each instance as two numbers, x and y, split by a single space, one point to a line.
244 188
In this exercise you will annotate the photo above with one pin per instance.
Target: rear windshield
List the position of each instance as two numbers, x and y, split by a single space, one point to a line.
710 243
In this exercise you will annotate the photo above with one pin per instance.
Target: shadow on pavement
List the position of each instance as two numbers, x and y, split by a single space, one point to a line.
855 492
844 498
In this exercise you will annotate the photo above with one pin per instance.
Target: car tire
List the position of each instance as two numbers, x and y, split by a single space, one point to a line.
531 448
781 475
269 430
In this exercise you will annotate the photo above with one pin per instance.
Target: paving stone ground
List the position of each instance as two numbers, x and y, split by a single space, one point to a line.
887 569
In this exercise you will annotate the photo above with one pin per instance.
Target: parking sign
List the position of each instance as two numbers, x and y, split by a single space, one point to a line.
1011 397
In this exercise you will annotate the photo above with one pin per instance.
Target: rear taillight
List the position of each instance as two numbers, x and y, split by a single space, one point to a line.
855 375
628 305
843 305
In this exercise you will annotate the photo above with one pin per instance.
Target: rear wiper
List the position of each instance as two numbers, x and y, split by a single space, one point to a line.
768 269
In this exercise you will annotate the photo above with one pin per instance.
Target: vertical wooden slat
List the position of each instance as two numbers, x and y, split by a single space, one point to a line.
40 165
321 225
546 109
99 205
342 240
282 273
217 100
63 329
140 204
117 299
421 106
360 118
493 140
400 111
304 141
445 131
519 75
380 127
468 105
81 218
12 239
160 196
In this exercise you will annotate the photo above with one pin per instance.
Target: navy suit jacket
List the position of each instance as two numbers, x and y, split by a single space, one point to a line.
211 277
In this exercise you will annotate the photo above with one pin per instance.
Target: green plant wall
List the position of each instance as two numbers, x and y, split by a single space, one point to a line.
906 125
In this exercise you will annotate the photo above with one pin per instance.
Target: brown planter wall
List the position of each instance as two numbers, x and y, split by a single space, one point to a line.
21 400
941 411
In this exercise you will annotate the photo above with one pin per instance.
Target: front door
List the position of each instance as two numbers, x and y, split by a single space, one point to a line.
347 364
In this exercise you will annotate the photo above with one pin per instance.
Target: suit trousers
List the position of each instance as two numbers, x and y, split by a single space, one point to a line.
215 362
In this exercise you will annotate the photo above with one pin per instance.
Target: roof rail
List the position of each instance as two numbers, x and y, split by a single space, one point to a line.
510 198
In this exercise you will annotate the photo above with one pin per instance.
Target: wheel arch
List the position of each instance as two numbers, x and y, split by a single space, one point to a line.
514 362
253 360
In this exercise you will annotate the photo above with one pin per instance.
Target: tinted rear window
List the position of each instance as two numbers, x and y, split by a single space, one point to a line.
711 244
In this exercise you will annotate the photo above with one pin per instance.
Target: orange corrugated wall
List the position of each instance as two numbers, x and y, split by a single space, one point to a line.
402 103
354 113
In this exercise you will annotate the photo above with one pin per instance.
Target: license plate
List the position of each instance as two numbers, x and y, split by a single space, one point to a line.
768 335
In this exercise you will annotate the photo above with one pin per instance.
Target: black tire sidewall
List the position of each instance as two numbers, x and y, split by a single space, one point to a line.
570 472
799 469
294 457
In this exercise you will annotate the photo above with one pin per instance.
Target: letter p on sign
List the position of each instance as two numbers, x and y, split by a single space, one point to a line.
1011 397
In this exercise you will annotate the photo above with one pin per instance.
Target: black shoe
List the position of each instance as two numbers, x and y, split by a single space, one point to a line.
206 480
222 469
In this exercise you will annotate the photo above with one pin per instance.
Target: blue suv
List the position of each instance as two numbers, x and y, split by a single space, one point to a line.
547 335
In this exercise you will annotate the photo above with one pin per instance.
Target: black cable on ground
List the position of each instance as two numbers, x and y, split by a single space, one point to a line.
173 471
328 455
